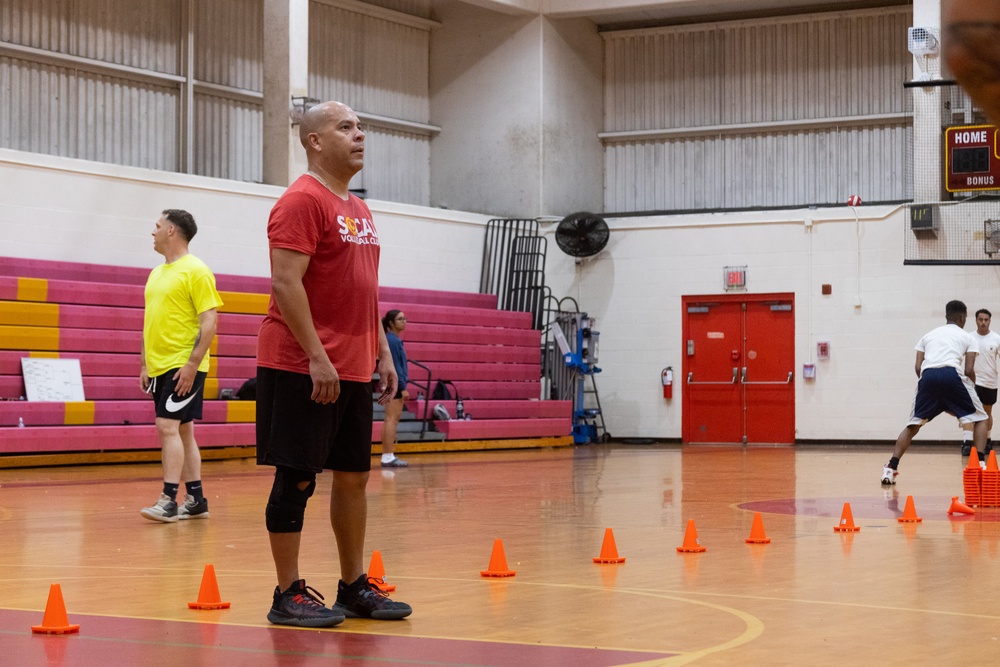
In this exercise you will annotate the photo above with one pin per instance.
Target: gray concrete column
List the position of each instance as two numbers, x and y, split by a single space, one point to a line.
286 75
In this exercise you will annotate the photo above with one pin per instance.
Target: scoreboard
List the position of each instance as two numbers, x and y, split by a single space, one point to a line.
972 160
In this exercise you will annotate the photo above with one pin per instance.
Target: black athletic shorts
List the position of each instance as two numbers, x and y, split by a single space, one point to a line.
987 396
169 405
295 431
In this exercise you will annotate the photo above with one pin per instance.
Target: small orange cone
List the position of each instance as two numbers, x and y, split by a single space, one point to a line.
846 524
757 535
55 621
376 573
609 551
973 459
959 508
208 594
909 512
691 540
498 562
991 461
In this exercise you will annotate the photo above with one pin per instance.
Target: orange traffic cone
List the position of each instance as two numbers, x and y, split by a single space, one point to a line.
909 512
376 573
691 544
991 461
959 508
208 594
757 535
846 524
609 551
973 459
498 562
55 621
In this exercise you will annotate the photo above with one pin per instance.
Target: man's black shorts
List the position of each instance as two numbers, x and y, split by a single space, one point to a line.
169 405
295 431
987 396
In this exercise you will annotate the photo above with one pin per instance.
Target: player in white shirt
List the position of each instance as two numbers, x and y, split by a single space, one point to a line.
986 376
945 366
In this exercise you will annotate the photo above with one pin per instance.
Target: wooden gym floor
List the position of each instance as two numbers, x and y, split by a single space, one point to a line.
922 594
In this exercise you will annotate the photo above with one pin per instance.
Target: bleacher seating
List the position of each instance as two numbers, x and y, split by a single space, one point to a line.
93 313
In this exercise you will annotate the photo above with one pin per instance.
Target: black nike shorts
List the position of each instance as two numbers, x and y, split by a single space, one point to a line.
295 431
169 405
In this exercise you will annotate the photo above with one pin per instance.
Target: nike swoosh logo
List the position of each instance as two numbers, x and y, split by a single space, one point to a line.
173 406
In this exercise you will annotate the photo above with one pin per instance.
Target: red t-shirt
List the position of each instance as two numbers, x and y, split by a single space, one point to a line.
341 281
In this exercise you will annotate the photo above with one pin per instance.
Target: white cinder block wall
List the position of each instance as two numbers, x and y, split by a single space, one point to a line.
863 392
74 210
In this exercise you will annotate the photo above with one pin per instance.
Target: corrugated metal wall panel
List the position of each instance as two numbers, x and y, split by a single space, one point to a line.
747 73
757 170
369 63
378 67
396 167
227 138
94 117
229 42
124 32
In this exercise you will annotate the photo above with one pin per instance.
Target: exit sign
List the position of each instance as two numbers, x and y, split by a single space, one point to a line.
972 162
735 278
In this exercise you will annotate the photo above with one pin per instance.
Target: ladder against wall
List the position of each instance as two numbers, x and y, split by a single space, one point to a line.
93 313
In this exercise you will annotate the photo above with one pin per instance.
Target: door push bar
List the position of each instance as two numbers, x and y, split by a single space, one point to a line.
743 378
736 372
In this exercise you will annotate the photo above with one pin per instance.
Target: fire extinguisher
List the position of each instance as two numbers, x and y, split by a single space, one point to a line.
667 377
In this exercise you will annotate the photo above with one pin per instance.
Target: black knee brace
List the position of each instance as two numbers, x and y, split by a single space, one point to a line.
287 505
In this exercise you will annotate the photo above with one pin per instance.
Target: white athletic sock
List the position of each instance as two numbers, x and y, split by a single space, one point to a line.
966 436
386 458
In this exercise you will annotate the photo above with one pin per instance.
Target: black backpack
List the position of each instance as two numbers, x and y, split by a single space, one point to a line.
442 392
248 391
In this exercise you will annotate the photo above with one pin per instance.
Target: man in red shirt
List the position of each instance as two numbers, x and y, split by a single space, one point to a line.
316 351
971 43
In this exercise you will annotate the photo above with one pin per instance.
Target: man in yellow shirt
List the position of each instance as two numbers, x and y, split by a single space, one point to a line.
178 326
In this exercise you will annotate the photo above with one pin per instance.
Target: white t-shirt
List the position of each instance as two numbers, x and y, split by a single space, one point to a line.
986 360
946 346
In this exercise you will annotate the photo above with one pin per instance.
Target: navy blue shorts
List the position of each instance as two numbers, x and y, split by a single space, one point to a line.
294 431
944 390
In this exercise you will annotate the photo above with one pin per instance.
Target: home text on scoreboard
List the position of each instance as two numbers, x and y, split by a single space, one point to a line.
972 162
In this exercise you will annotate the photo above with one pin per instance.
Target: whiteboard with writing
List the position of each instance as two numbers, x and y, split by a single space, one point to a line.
52 379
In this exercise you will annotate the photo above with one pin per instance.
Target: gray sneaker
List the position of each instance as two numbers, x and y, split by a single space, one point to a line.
192 509
362 599
164 510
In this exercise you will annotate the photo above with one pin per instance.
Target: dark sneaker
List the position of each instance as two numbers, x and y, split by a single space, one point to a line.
966 449
164 510
363 599
192 509
299 606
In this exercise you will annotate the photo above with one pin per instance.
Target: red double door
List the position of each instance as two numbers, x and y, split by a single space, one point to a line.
739 369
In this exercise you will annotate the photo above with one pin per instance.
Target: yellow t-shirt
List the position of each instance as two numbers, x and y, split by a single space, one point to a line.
176 294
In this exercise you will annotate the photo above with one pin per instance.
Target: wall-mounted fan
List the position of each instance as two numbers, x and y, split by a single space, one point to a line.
582 234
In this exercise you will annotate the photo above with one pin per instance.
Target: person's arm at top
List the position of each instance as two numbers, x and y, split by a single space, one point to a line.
287 269
388 380
208 322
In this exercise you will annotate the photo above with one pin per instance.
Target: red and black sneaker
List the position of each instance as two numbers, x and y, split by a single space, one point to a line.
301 605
